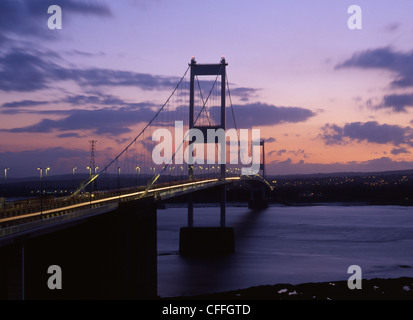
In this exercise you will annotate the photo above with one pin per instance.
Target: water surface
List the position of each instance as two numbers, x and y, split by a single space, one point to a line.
287 245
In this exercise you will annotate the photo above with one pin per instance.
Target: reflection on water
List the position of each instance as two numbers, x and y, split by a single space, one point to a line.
287 245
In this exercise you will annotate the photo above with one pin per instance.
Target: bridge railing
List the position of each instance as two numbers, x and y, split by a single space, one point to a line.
43 209
51 220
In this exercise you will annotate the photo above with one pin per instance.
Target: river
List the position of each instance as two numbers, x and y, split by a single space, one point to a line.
285 244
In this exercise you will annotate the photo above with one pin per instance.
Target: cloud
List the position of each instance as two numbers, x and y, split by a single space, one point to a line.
117 120
244 93
371 132
270 139
298 153
33 110
25 17
396 102
112 121
397 62
247 115
23 103
69 135
99 99
261 114
277 152
398 151
107 77
84 53
400 63
23 71
93 99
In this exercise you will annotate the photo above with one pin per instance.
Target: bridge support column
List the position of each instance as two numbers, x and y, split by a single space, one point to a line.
207 241
12 272
258 198
190 211
223 206
112 255
211 240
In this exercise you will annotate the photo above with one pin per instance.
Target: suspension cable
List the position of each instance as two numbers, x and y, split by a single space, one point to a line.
156 177
137 137
233 115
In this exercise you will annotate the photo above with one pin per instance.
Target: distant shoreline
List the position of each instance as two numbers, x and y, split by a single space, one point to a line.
372 289
292 204
340 204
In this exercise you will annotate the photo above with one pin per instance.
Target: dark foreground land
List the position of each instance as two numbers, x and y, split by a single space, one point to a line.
372 289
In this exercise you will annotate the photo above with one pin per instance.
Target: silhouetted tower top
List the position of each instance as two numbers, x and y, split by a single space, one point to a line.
217 69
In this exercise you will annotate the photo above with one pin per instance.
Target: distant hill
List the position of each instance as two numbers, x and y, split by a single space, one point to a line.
344 174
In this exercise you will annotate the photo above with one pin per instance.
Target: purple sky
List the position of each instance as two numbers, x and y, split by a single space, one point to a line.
325 97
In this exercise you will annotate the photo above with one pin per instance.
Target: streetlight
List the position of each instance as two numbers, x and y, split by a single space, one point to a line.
139 175
171 173
41 177
5 183
41 194
5 178
118 177
45 183
90 170
5 174
73 179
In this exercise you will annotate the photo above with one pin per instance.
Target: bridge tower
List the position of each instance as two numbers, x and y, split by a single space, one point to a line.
258 198
204 240
262 163
207 70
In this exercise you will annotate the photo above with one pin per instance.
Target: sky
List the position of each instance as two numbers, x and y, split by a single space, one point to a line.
327 98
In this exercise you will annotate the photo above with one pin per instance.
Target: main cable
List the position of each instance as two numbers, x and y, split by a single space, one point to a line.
137 137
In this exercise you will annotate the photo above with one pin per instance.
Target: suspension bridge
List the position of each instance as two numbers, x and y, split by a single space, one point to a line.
176 152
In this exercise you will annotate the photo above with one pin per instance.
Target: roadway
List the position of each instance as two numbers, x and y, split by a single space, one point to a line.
159 192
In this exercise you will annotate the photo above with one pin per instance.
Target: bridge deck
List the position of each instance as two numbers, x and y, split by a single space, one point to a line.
24 218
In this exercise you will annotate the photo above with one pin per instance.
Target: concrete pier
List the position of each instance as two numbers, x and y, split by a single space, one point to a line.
257 203
258 198
206 241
